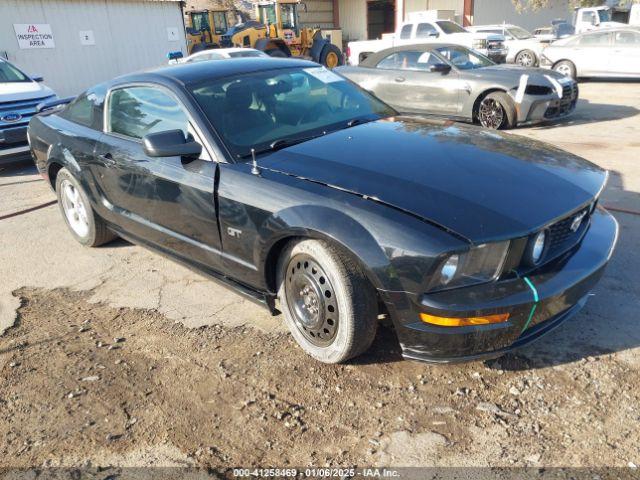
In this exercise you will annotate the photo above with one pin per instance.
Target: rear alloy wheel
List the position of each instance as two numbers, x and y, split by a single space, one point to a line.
496 111
327 302
85 226
526 58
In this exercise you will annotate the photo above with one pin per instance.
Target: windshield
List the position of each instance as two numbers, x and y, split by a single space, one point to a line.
10 74
246 54
463 58
283 106
450 27
519 33
604 15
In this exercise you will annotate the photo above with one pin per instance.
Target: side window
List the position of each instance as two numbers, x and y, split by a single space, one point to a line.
595 39
408 60
425 30
137 111
86 110
627 38
405 32
80 111
589 17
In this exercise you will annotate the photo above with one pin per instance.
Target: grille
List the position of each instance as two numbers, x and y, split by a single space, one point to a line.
562 237
566 104
26 108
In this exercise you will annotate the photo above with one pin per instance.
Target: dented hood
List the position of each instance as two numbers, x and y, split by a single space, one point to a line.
481 184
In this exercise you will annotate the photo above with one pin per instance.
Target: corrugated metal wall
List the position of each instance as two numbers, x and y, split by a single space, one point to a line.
129 35
498 11
319 13
353 19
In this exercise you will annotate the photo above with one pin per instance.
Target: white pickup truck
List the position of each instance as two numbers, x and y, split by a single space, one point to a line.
424 31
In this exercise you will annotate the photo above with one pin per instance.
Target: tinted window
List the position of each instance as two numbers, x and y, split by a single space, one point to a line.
86 109
253 111
408 60
406 31
627 38
425 30
450 27
595 39
138 111
246 54
463 58
204 57
80 111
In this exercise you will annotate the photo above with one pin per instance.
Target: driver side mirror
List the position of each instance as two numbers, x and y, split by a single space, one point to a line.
38 78
171 143
434 34
440 67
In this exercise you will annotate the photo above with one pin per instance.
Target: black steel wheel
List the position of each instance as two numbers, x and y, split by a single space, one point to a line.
326 300
312 300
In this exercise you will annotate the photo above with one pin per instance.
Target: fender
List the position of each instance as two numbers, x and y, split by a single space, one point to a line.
312 221
268 44
318 44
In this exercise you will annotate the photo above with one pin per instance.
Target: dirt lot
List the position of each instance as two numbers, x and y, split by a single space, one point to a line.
116 356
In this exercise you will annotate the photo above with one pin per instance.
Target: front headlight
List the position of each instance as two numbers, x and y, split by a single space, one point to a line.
477 265
479 43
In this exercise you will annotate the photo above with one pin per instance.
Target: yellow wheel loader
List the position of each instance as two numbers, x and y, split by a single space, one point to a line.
205 27
280 34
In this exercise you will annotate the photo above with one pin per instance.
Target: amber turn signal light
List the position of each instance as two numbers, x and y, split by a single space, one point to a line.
464 321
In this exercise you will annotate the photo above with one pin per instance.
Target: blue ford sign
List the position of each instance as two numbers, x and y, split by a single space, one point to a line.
11 117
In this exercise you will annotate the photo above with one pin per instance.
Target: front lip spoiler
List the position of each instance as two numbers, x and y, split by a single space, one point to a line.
529 336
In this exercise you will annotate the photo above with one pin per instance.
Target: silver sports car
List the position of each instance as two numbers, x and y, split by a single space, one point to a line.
455 82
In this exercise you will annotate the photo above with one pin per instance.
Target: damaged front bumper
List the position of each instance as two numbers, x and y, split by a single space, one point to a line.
540 108
536 304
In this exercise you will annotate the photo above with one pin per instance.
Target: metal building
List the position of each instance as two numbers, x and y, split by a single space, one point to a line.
74 44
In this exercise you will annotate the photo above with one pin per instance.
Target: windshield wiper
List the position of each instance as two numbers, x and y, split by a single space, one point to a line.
356 121
281 143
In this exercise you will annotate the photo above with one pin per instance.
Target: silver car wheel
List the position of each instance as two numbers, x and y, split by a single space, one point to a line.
74 209
490 113
525 59
564 69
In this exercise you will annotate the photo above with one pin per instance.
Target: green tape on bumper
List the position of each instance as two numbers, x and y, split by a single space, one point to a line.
535 300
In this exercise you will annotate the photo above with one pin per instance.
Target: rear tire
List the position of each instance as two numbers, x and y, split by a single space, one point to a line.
327 302
566 68
497 111
331 56
83 223
526 58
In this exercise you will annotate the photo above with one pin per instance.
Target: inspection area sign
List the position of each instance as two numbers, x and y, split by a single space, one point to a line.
34 35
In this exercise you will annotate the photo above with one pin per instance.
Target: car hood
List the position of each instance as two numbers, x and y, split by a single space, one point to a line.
17 91
480 184
509 76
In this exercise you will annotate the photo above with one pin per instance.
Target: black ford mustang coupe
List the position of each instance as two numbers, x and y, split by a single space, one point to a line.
293 185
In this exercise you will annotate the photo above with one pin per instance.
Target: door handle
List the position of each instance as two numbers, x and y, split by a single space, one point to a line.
400 79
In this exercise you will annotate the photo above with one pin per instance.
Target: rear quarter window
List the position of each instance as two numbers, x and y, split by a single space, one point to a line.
405 32
86 110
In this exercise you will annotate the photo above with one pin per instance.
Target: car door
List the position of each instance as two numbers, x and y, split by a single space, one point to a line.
407 83
168 201
591 53
625 58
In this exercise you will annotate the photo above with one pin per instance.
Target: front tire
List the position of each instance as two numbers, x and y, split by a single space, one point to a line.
566 68
331 56
497 111
83 223
328 304
526 58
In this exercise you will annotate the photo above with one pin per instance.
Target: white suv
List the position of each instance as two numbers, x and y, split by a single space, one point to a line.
19 97
522 47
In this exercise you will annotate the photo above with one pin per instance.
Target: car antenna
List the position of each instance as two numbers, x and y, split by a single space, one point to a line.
254 167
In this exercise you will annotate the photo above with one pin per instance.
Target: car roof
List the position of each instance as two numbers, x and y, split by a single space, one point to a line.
196 72
374 58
